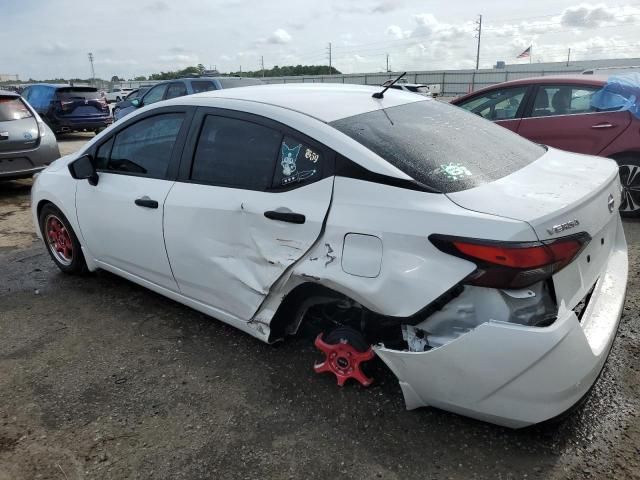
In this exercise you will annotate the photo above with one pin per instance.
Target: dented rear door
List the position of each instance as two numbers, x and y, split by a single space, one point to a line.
252 200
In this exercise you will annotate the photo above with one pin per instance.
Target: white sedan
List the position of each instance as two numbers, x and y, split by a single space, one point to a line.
487 272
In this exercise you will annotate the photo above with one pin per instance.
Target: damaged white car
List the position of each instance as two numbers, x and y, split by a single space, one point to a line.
487 272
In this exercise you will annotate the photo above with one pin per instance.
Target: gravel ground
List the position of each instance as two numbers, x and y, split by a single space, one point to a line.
100 378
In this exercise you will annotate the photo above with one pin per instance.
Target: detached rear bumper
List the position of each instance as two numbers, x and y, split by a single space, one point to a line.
517 376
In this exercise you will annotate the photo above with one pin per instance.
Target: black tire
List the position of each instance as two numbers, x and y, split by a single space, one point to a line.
61 241
630 180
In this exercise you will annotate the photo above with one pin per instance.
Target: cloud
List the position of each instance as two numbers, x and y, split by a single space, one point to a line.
159 6
386 6
397 32
279 37
55 48
588 16
182 58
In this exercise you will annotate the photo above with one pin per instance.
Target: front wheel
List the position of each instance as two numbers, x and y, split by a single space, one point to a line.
630 180
62 242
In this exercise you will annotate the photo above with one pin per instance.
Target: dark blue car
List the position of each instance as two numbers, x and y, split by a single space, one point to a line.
67 108
181 87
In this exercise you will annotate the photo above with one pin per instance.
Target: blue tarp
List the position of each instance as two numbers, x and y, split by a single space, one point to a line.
621 92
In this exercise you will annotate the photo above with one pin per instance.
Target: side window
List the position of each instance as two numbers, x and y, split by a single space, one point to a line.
154 95
297 163
562 100
177 89
235 153
101 158
26 93
145 147
202 86
497 104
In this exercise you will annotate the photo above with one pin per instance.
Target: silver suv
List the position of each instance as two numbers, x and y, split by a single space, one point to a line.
27 144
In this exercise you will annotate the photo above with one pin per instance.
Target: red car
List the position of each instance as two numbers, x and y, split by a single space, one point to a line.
557 111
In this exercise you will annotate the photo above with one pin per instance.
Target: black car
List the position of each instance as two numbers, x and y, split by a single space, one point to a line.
67 108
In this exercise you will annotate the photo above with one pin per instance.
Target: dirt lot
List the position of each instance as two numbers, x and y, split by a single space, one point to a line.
100 378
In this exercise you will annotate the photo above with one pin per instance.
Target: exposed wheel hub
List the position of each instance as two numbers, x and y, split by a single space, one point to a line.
343 360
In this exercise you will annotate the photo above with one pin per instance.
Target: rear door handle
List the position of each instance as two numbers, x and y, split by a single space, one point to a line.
146 202
4 135
603 125
290 217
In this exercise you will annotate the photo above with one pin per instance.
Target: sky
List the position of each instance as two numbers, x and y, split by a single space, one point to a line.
52 38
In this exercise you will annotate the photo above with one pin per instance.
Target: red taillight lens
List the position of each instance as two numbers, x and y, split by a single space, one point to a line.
512 264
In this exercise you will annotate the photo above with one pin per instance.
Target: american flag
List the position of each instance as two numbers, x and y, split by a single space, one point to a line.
526 53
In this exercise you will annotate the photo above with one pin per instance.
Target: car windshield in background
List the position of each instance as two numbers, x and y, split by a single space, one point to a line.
443 147
12 108
78 92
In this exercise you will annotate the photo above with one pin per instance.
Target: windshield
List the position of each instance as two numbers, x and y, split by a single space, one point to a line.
12 108
439 145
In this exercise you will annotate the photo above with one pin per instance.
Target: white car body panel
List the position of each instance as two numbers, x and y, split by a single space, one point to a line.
370 242
514 375
141 251
250 252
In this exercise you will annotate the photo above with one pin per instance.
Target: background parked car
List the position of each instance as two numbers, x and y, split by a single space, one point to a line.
117 94
184 86
557 111
66 108
126 102
27 145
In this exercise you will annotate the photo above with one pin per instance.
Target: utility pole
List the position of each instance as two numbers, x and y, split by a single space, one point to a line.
479 30
93 72
240 70
329 53
262 65
569 56
388 63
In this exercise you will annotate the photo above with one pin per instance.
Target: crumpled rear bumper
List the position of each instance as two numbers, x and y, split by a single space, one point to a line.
513 375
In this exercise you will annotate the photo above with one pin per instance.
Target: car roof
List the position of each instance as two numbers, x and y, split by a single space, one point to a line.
592 80
8 93
326 102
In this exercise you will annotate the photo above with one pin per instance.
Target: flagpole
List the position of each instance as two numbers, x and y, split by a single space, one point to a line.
531 54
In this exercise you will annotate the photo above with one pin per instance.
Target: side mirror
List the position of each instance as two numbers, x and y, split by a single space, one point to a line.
83 168
136 102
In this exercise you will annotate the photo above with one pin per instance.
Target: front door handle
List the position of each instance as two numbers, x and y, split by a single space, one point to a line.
290 217
146 202
603 125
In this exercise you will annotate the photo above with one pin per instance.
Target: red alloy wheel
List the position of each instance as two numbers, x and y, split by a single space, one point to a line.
343 360
59 240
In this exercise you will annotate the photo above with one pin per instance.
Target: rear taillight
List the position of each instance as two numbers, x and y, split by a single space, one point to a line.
512 265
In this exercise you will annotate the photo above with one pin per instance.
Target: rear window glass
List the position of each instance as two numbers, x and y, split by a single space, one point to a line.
75 93
12 108
202 86
439 145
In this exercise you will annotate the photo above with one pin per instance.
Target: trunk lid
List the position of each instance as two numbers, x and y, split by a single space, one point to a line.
18 126
80 102
560 194
551 194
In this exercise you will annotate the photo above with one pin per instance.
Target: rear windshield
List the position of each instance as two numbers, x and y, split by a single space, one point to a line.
87 93
439 145
13 108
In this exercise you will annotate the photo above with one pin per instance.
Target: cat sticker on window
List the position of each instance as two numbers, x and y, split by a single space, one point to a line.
288 159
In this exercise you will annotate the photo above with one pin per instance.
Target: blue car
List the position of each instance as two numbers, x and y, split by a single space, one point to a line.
68 108
181 87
